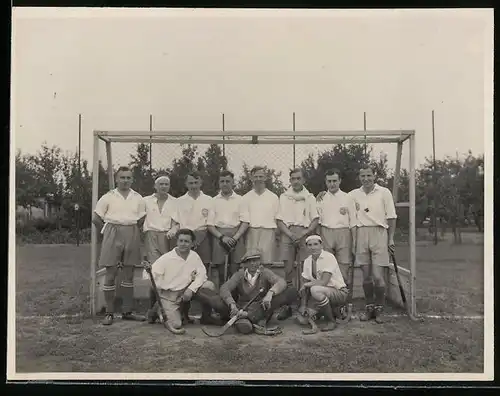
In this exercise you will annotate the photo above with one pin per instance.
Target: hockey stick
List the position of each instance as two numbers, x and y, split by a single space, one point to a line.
231 321
401 290
226 263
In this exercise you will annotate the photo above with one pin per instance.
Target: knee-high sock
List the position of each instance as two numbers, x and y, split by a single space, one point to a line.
109 297
127 293
325 308
368 289
379 295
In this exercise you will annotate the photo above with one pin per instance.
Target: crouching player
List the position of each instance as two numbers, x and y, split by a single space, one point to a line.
323 289
180 277
248 282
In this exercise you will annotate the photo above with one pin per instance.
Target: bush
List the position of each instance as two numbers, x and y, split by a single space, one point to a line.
52 236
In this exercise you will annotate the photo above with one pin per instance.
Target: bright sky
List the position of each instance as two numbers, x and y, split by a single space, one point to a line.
186 67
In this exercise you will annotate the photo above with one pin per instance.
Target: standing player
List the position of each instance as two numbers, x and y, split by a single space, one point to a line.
376 223
263 206
337 218
297 218
192 213
160 227
119 214
227 222
324 288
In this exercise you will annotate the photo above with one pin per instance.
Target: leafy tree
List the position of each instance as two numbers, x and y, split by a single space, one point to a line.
273 183
180 168
26 181
140 165
213 163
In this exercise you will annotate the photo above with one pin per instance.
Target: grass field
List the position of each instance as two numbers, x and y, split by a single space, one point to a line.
54 281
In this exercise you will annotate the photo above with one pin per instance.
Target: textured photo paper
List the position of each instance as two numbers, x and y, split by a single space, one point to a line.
259 162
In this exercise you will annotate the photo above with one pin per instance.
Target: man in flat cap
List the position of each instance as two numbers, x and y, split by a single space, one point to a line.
245 284
323 287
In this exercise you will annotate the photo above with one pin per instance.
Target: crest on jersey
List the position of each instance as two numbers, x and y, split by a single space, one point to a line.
357 206
343 211
204 212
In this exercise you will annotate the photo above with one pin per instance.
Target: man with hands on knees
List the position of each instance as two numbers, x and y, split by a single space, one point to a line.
246 284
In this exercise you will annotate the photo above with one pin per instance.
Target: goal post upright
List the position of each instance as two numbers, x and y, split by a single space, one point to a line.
94 231
412 226
246 137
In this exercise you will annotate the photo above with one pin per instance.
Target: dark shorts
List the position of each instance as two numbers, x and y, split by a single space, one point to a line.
120 243
157 244
203 245
219 253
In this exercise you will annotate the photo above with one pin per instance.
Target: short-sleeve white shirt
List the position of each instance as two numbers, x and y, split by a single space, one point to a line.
262 209
374 208
172 272
337 210
193 213
326 263
156 219
297 213
113 208
228 212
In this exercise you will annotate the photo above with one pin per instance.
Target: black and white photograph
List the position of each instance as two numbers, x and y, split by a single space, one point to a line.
251 194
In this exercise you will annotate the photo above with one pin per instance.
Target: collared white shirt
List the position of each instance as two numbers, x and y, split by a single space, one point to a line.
374 208
326 263
113 208
293 212
193 213
228 212
337 210
172 272
262 209
156 219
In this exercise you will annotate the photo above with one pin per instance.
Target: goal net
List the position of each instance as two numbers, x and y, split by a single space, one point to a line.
150 153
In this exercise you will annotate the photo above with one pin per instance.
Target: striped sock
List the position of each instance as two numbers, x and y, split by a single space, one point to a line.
325 308
109 297
127 292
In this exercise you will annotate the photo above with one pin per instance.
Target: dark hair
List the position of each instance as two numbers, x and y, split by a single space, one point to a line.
195 174
333 171
368 166
186 231
296 170
256 169
226 173
122 169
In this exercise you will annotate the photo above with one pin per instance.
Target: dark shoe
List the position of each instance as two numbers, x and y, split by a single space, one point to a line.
108 320
328 326
368 314
284 313
152 316
132 316
379 314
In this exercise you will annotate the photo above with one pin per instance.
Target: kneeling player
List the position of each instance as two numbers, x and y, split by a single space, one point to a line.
323 289
180 277
248 282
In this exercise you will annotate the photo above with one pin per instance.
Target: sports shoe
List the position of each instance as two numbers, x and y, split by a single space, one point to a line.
367 314
379 314
152 316
284 313
328 326
302 320
132 316
108 320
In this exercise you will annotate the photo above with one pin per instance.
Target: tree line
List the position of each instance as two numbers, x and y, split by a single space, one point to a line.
55 176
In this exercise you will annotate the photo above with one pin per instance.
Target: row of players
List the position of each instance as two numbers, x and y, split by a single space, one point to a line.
356 225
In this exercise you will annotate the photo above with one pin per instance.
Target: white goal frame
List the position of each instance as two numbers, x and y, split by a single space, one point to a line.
399 137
